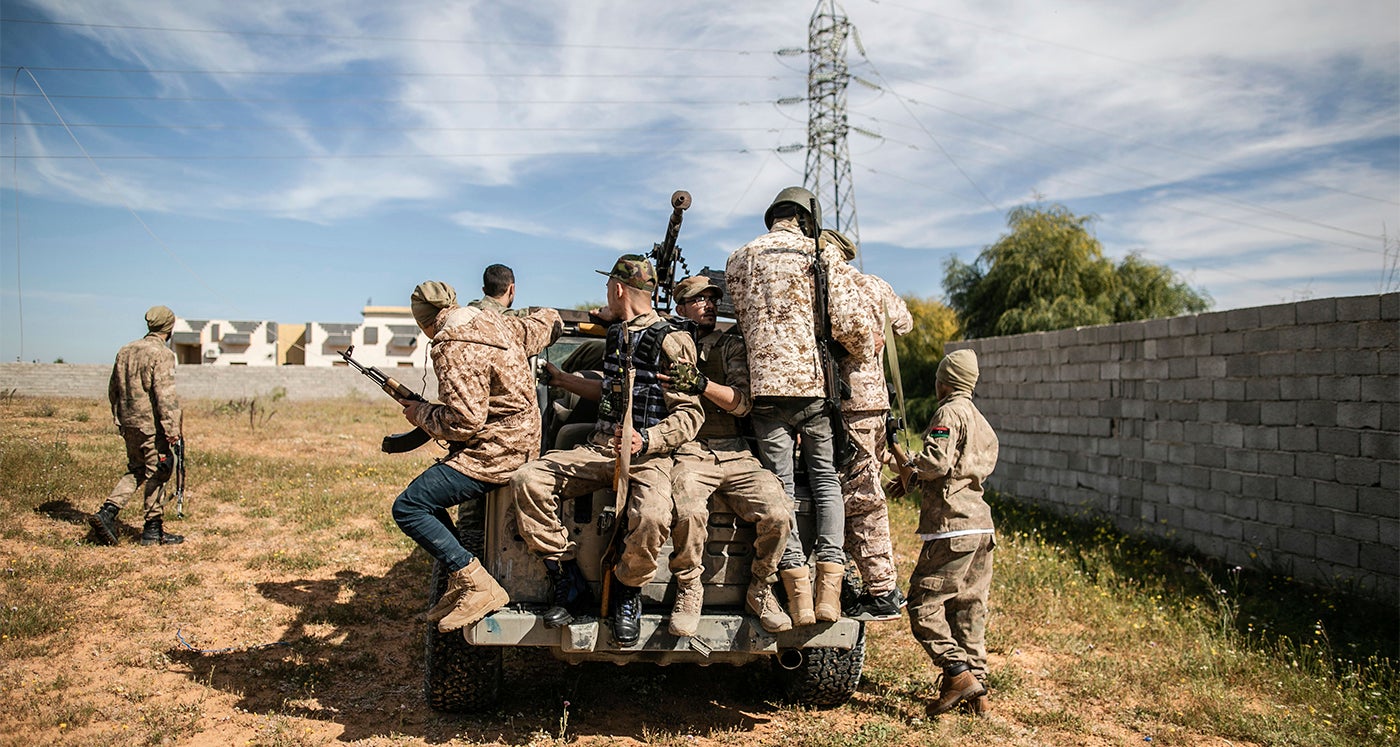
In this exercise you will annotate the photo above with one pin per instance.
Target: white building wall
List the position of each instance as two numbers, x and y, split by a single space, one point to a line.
386 338
225 342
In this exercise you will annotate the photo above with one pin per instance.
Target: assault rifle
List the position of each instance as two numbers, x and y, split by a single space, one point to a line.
397 443
622 471
830 350
177 449
666 254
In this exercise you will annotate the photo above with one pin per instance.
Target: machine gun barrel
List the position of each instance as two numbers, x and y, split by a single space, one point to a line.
666 254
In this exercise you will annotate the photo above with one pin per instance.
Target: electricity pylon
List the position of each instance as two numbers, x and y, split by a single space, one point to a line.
828 172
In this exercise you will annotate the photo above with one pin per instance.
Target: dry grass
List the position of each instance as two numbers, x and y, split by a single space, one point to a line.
296 575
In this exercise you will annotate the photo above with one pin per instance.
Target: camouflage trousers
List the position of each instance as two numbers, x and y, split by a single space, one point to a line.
537 489
143 472
752 492
948 600
867 538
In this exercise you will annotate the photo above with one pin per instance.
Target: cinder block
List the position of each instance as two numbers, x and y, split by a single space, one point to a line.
1380 389
1156 329
1243 413
1358 308
1262 389
1375 445
1278 315
1390 306
1278 413
1181 368
1196 346
1229 343
1359 415
1298 338
1228 389
1276 513
1297 439
1242 507
1358 362
1334 495
1196 521
1360 472
1297 542
1214 412
1211 366
1210 456
1261 438
1388 362
1242 460
1380 558
1316 466
1196 389
1258 486
1378 502
1317 311
1340 550
1277 364
1276 463
1295 491
1339 441
1342 335
1261 341
1357 527
1339 388
1241 319
1316 362
1226 527
1378 334
1321 414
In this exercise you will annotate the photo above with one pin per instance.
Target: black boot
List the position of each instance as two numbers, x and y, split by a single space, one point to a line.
571 592
104 523
154 534
626 614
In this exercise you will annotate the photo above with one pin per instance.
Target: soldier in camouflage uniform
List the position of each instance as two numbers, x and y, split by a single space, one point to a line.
498 291
771 281
662 420
719 458
489 416
144 406
948 592
866 412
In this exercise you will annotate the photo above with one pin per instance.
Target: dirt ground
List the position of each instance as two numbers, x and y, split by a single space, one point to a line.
272 625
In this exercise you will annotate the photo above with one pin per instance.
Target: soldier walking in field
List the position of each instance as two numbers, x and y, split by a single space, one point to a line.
489 417
772 281
145 408
719 459
498 291
948 591
866 412
662 421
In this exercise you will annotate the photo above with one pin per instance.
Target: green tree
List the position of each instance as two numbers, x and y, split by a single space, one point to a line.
1049 272
919 354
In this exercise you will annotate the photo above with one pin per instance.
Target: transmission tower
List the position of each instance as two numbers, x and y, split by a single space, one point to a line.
828 173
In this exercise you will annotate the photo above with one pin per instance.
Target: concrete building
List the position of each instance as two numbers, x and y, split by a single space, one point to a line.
386 337
221 342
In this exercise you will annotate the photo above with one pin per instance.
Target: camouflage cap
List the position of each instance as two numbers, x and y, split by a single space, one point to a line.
692 287
634 270
160 319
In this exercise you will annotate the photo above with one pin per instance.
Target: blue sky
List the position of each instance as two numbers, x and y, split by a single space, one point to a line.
291 161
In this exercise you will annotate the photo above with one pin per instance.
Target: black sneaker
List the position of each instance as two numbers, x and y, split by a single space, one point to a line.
870 608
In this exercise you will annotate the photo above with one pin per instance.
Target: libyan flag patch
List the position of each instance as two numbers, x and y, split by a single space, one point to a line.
939 432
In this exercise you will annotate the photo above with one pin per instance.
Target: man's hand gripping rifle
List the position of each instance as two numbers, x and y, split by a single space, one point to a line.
397 443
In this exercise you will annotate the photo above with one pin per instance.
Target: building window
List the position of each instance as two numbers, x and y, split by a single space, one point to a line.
213 333
371 335
271 332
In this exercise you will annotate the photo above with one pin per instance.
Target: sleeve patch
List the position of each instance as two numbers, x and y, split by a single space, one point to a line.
938 432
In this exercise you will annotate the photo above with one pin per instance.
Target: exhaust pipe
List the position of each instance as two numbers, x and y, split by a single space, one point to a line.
791 658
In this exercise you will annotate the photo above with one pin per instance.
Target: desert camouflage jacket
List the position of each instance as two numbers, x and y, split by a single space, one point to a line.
960 451
771 283
490 304
142 387
867 377
487 389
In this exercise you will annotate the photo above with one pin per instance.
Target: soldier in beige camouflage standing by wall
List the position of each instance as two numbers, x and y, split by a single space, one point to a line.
719 460
772 283
948 591
662 421
498 291
488 416
866 413
144 406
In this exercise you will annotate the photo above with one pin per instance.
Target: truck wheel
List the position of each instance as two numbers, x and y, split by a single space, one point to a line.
821 677
461 678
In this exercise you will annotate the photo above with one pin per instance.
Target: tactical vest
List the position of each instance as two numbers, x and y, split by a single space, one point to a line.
718 423
648 398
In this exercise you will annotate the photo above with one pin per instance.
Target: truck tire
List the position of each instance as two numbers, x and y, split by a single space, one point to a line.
826 677
460 678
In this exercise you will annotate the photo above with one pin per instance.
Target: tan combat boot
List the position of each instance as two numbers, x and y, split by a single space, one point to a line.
828 591
480 596
799 594
956 688
685 614
763 603
977 706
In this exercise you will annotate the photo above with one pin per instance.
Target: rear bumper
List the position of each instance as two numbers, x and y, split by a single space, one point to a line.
734 639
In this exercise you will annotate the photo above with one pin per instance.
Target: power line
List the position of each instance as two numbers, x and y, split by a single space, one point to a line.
393 73
378 38
375 156
373 128
378 100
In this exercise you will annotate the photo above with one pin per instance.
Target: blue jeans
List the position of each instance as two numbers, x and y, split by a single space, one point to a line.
421 512
777 422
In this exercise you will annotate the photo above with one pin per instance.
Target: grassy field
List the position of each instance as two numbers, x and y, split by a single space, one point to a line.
291 616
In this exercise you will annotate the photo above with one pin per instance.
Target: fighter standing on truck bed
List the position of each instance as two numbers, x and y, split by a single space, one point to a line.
719 460
774 283
489 416
662 421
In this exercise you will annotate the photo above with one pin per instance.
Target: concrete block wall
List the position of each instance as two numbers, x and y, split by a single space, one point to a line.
1267 437
212 382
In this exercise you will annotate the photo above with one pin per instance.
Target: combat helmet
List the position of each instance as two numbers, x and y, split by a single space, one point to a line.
798 196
